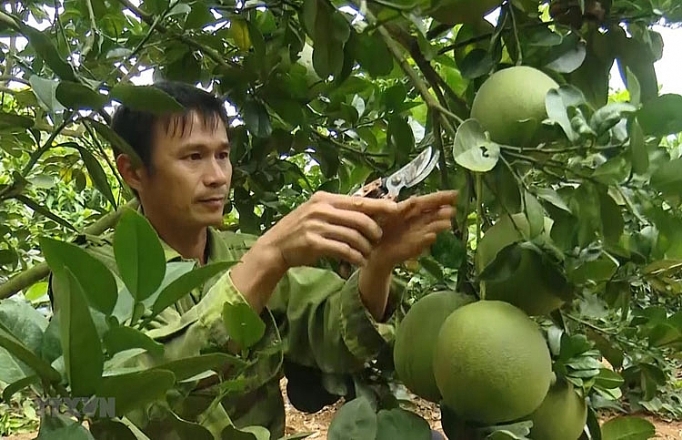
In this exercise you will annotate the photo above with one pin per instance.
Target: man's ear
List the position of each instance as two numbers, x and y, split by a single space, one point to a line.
130 174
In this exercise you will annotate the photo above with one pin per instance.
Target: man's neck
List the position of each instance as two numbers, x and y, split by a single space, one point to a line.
190 244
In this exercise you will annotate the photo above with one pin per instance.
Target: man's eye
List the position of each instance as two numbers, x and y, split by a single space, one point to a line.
195 156
224 155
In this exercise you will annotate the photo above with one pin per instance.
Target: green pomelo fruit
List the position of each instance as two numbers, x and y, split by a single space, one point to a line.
491 363
416 336
531 286
509 96
452 12
561 416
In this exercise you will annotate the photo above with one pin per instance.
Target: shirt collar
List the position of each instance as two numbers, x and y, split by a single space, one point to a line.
217 248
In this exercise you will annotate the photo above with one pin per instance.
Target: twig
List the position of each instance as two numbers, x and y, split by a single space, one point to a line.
434 79
210 52
41 270
421 87
47 145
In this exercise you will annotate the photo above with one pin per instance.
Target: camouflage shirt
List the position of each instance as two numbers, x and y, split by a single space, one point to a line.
314 318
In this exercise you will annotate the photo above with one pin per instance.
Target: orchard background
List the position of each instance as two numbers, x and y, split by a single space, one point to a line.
328 95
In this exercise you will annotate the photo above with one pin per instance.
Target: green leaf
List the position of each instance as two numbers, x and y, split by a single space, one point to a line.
633 87
76 96
504 265
139 255
8 257
14 121
24 322
568 56
372 53
257 119
400 424
535 214
22 353
330 33
247 433
133 390
243 324
83 357
239 32
473 150
662 115
11 369
609 115
19 350
42 210
145 98
188 367
169 425
668 178
557 103
36 291
45 48
354 420
638 149
108 429
46 92
116 141
400 138
122 338
99 177
19 385
57 431
186 283
553 197
99 284
614 171
628 428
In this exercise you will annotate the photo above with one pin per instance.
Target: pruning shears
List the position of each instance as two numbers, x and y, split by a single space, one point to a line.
408 176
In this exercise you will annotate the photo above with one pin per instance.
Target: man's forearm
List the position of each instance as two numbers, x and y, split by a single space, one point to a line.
374 284
257 275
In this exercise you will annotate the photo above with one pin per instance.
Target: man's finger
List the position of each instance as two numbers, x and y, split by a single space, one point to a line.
350 236
353 220
339 250
365 205
436 199
429 202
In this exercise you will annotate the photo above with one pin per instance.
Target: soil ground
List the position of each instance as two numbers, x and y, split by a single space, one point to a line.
318 423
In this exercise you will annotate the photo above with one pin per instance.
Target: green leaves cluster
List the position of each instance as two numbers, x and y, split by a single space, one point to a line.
90 346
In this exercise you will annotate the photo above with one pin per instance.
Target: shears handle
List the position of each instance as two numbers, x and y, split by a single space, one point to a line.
375 189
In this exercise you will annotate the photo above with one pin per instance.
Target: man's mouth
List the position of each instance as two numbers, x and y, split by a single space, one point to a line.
213 202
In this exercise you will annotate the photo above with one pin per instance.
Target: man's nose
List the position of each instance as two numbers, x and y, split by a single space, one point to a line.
216 174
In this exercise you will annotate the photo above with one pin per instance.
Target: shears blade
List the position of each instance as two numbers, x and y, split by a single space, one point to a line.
412 173
406 177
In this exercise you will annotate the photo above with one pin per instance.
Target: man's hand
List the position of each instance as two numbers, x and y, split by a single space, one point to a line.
328 225
415 227
407 233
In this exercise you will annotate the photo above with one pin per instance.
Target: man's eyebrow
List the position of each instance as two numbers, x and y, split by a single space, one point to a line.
202 146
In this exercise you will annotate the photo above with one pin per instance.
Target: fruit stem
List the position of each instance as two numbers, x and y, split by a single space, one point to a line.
479 216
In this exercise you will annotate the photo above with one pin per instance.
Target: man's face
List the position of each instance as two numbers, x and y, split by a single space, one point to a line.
191 175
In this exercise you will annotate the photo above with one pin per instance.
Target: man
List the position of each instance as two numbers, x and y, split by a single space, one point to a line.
322 320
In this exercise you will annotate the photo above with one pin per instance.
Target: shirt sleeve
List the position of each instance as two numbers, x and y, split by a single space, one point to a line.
319 316
325 323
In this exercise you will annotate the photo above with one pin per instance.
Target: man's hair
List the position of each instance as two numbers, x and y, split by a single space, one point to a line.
137 126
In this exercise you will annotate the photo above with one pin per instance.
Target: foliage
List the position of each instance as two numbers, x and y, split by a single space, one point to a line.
385 80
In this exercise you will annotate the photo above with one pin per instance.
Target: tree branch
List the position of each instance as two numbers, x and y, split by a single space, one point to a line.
433 78
421 87
40 271
210 52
